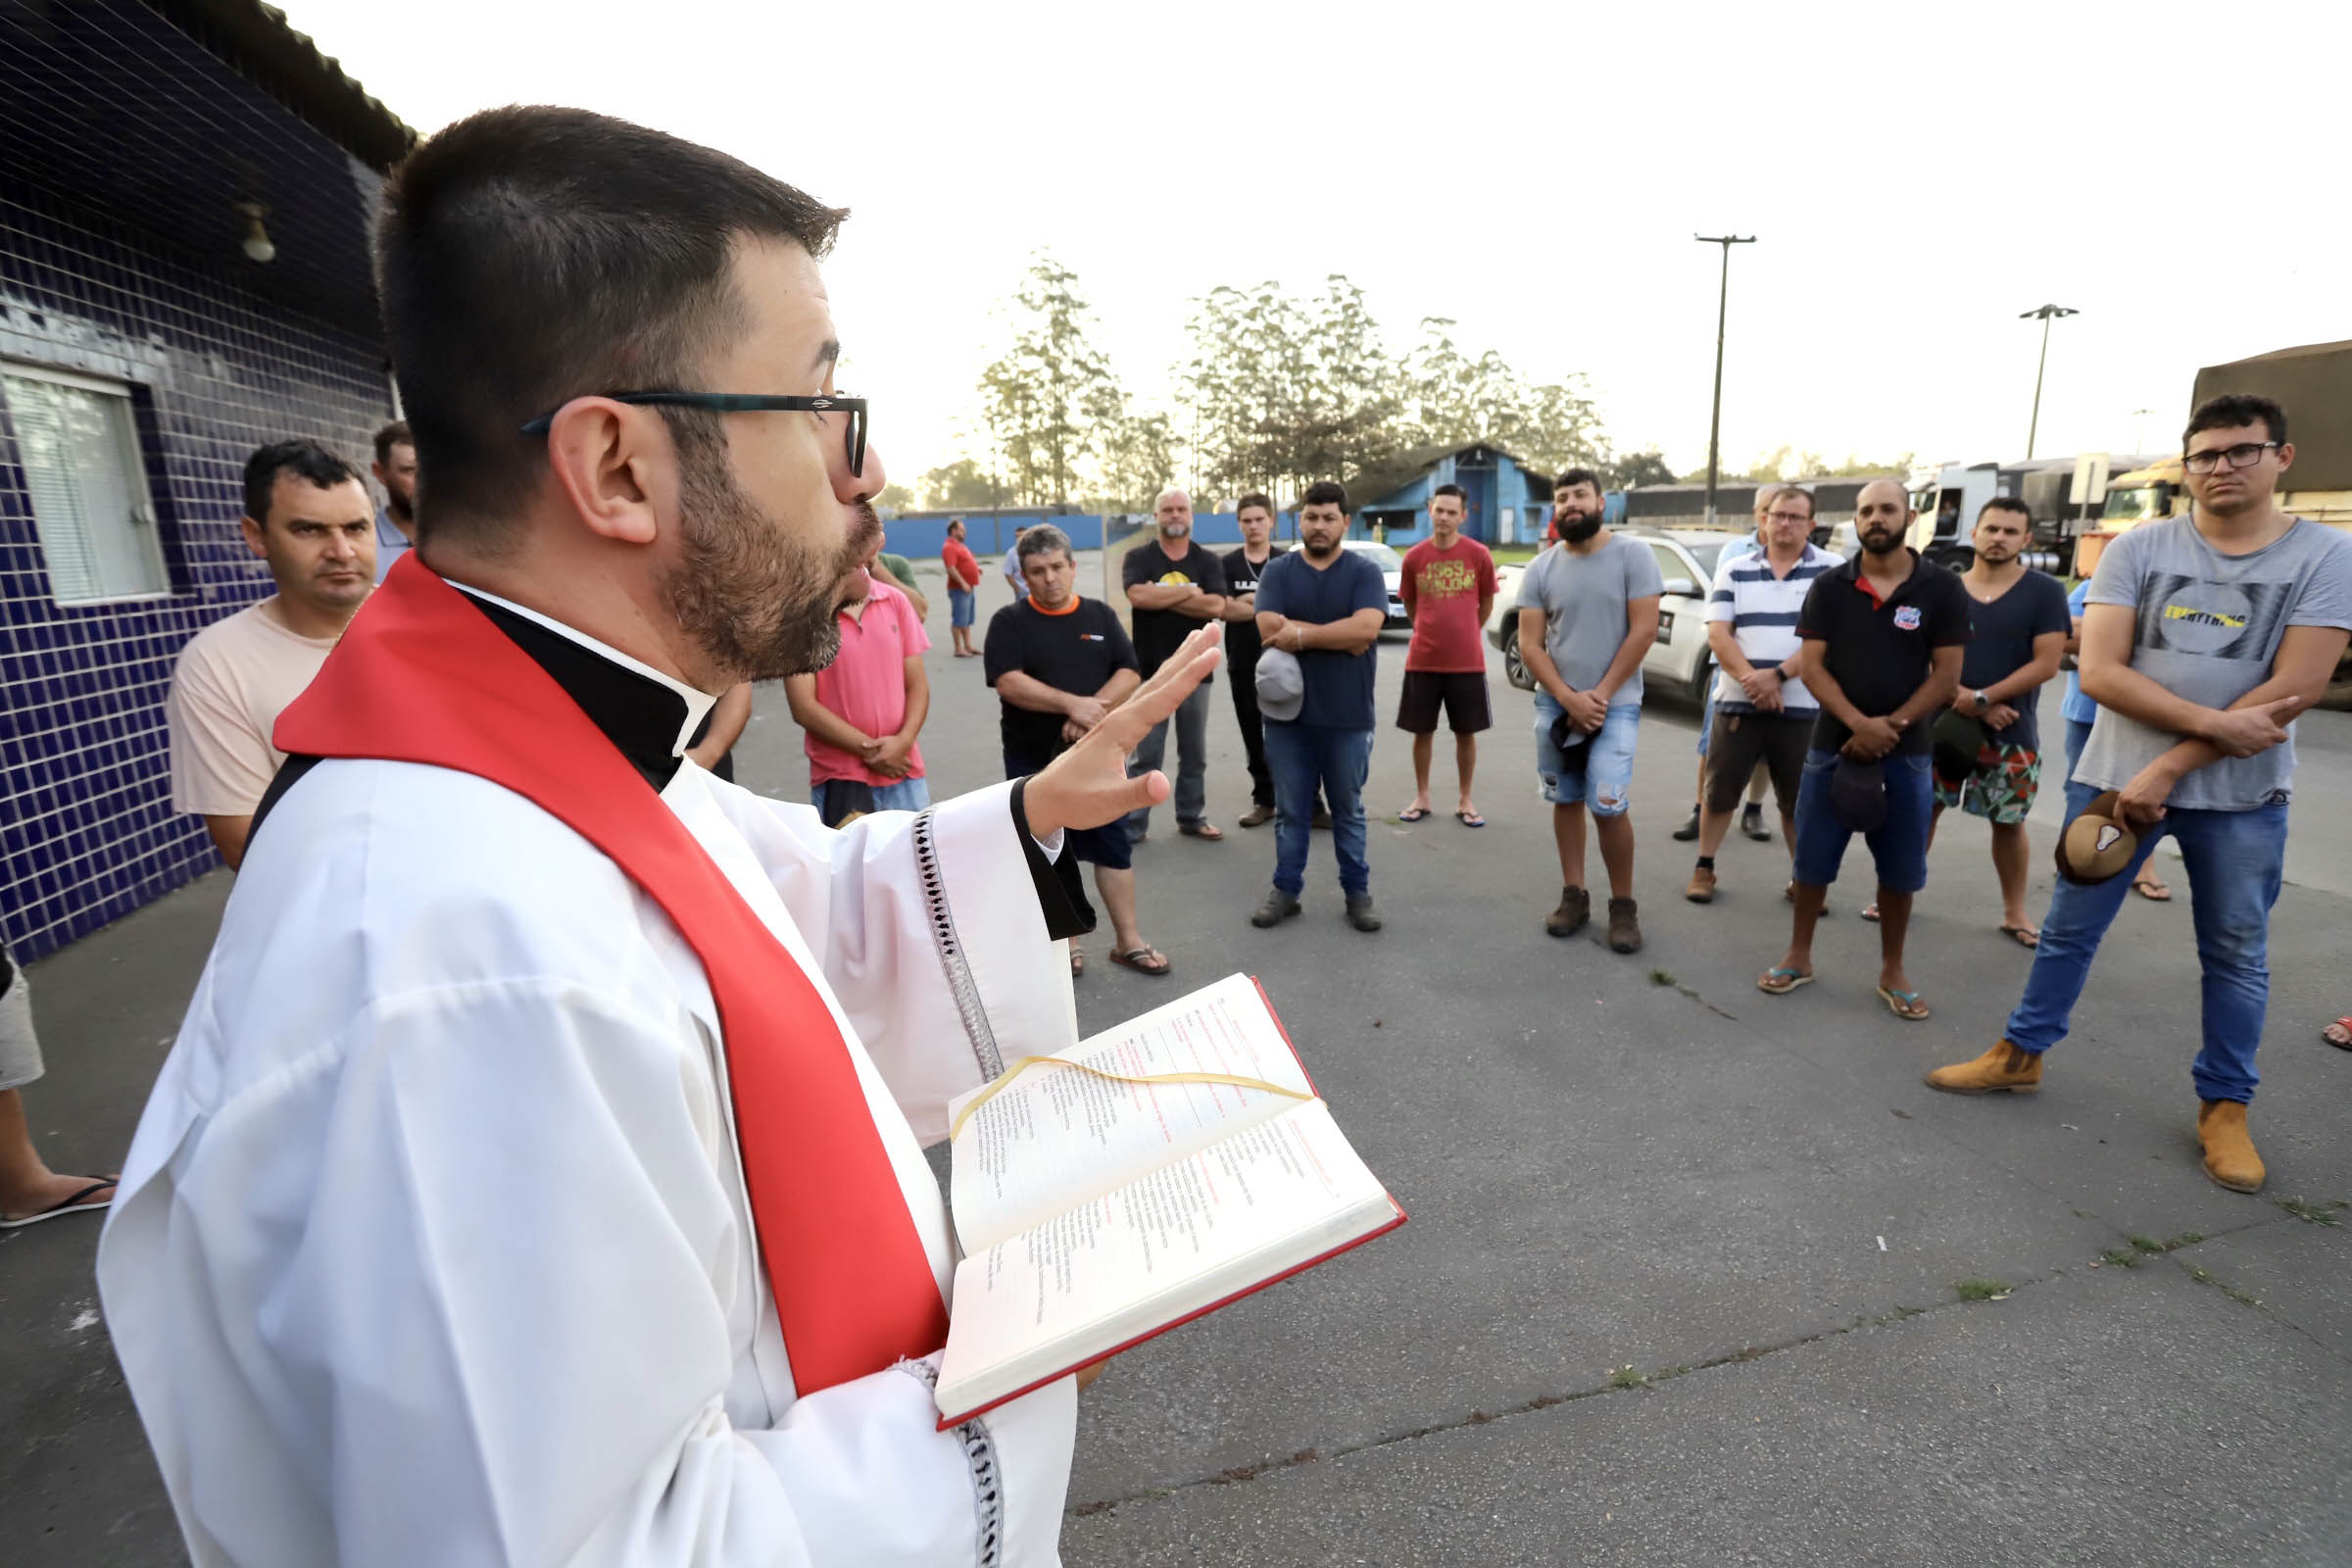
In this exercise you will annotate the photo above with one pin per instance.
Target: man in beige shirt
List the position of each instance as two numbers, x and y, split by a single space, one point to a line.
308 514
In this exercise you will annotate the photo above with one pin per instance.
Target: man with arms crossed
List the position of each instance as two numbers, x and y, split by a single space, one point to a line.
1242 567
536 1178
1881 640
1449 588
862 711
1761 714
1324 605
2202 639
2020 629
1173 585
1588 613
1060 664
964 587
306 514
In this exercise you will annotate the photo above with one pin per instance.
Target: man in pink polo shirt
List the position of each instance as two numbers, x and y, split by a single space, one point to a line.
863 711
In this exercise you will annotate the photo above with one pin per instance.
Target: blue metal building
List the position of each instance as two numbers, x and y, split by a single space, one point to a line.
1507 501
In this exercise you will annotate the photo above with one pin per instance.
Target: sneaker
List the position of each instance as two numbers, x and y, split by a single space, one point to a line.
1278 907
2004 1066
1624 930
1257 815
1360 913
1575 907
1689 830
1751 823
1702 885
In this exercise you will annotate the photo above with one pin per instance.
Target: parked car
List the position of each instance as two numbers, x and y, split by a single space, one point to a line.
1680 660
1391 572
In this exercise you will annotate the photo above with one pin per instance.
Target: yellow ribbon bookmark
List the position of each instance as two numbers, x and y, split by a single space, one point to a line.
1236 1080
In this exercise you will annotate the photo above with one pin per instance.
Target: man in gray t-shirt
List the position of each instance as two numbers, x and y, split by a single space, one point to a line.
1587 614
2202 638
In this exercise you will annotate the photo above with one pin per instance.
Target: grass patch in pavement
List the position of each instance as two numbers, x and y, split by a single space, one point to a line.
1981 1290
2311 1214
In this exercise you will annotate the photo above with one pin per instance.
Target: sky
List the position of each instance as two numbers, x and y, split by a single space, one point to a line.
1915 176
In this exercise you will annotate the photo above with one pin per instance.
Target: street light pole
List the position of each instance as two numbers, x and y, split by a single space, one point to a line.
2047 314
1722 299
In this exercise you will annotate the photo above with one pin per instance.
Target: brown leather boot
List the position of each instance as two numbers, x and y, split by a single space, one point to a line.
1575 907
2004 1066
1702 885
2229 1158
1625 926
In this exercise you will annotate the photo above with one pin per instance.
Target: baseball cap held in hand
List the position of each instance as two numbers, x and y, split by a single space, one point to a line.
1281 684
2098 843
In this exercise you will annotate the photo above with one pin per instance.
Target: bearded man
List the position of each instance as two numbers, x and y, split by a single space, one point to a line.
537 1175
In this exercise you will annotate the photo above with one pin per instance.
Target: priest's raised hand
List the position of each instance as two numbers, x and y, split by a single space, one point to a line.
1087 785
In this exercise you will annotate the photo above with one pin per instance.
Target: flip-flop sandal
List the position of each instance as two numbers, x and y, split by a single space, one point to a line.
2346 1044
1471 819
2024 936
1869 912
1206 831
1904 1004
2159 893
1077 960
1140 960
77 1205
1793 977
1412 814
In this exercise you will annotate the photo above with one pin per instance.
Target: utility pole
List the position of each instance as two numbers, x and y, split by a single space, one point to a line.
2046 314
1722 299
2140 429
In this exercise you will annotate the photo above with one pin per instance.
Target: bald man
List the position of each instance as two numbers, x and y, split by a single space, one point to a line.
1879 641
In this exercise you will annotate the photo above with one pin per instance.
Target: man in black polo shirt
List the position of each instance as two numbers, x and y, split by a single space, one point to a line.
1058 664
1882 638
1173 585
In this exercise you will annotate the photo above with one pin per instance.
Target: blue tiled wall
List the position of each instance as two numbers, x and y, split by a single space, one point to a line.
86 828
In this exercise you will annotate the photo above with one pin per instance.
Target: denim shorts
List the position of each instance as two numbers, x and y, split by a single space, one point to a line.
1900 845
962 602
1607 780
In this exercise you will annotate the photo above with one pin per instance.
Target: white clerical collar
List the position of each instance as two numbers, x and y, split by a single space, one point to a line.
698 703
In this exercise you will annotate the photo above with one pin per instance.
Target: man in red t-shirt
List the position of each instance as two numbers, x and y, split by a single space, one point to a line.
863 711
964 587
1449 592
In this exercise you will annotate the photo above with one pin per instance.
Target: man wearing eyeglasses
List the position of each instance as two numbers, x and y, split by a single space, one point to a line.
537 1175
2202 638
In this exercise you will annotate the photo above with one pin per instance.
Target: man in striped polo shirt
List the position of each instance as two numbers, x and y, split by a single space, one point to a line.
1762 713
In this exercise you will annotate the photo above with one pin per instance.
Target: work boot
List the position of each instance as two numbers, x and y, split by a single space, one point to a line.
1360 913
1278 907
2229 1158
1751 823
1702 885
1575 907
1257 815
2004 1066
1689 830
1624 930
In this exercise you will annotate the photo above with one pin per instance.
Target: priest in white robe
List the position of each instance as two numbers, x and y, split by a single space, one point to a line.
538 1177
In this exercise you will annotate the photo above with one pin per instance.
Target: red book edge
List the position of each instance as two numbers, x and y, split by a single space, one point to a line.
947 1423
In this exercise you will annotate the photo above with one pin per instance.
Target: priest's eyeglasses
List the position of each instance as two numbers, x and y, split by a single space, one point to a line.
853 438
2244 455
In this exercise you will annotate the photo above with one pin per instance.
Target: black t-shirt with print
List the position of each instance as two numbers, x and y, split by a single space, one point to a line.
1240 578
1074 652
1160 632
1878 653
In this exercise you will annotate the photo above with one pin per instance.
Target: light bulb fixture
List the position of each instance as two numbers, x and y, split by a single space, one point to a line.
257 245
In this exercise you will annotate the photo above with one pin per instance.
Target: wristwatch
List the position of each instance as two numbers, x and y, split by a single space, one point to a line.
1982 702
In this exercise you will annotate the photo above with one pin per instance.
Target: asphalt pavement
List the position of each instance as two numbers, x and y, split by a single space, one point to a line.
1694 1275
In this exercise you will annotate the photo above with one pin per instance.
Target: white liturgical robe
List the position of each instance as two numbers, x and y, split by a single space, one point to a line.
433 1245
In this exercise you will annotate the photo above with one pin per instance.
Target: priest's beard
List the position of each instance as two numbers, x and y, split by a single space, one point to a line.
759 603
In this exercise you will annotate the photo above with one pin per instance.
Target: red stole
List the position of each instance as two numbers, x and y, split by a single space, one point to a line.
423 676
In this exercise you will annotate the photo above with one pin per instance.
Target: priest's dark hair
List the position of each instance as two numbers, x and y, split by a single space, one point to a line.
303 457
532 255
1325 493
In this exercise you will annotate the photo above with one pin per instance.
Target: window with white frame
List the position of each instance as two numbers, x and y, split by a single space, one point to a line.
79 450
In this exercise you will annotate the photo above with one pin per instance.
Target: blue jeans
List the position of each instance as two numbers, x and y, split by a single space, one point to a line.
1900 845
1304 758
905 795
1607 780
2233 861
2077 736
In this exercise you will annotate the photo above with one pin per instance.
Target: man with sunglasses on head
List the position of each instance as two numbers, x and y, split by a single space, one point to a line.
537 1176
2203 637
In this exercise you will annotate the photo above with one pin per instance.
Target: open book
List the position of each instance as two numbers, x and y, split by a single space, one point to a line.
1096 1210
